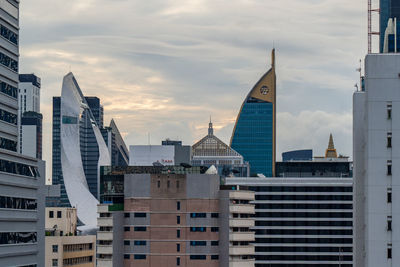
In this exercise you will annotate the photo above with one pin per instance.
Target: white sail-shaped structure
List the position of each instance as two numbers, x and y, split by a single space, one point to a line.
73 104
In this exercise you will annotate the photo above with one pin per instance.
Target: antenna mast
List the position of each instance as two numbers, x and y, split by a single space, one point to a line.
370 32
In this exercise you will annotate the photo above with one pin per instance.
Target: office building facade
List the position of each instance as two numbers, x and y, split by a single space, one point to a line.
172 216
88 144
376 163
254 133
389 15
21 177
302 221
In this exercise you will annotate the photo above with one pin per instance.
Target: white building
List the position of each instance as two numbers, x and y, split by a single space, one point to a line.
29 117
166 155
376 141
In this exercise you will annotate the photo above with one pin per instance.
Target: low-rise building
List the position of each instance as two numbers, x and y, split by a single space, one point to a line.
63 246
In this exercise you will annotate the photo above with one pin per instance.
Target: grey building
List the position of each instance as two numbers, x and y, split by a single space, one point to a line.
302 221
88 146
21 177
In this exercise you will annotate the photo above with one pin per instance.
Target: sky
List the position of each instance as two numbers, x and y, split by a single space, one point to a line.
162 67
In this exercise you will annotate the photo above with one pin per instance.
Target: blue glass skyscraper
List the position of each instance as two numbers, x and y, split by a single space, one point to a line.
254 133
389 21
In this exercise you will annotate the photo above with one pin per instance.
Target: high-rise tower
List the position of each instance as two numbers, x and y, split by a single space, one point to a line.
389 39
254 134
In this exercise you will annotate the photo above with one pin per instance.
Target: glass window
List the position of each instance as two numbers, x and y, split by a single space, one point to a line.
140 242
178 261
140 214
198 215
178 205
55 248
214 229
140 228
178 247
127 228
8 89
178 219
140 257
198 257
178 233
51 214
9 34
59 213
55 262
214 257
127 242
126 256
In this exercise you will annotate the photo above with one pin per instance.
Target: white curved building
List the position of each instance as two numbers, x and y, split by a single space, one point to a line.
73 105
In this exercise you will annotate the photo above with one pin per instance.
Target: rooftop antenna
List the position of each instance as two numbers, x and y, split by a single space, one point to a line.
370 32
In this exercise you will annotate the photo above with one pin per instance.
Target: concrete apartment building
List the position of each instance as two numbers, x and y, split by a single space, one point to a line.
169 216
63 246
376 144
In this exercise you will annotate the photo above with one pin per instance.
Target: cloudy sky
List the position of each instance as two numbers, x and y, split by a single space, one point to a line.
162 67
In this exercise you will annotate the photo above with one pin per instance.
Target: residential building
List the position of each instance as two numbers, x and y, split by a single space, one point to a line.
302 221
21 177
254 133
376 163
63 246
211 151
172 216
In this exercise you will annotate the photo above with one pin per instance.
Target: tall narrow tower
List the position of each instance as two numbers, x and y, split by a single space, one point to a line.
254 134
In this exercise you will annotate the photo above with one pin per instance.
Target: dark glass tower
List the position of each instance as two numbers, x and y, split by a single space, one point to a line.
389 9
254 133
89 147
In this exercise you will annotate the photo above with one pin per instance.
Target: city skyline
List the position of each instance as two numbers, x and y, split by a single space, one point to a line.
163 70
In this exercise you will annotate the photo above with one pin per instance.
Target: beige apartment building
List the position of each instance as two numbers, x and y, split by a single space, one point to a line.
63 246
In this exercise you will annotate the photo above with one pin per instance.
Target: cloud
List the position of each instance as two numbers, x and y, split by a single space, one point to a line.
162 67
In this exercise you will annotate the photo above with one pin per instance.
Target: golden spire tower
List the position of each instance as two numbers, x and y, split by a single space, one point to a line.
331 150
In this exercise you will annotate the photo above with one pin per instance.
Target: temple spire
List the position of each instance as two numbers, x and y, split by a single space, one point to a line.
331 151
210 128
273 58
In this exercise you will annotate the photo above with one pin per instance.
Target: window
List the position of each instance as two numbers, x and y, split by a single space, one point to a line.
140 215
178 219
214 215
158 183
198 229
9 34
389 110
140 228
8 117
127 242
127 228
389 253
389 140
140 242
8 89
198 243
61 233
8 62
214 229
139 257
178 261
55 248
59 214
389 167
8 144
198 215
126 256
168 183
178 233
389 223
127 215
178 205
197 257
55 262
178 247
215 243
389 196
7 238
51 214
214 257
177 184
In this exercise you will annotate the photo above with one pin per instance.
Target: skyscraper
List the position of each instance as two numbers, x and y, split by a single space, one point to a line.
254 133
376 154
389 26
21 177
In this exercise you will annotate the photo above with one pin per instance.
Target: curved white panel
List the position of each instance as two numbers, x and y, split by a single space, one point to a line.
73 105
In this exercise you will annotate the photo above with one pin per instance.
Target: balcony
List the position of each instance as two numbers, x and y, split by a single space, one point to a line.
104 262
241 236
238 222
104 221
242 263
242 208
104 249
104 236
241 250
242 195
